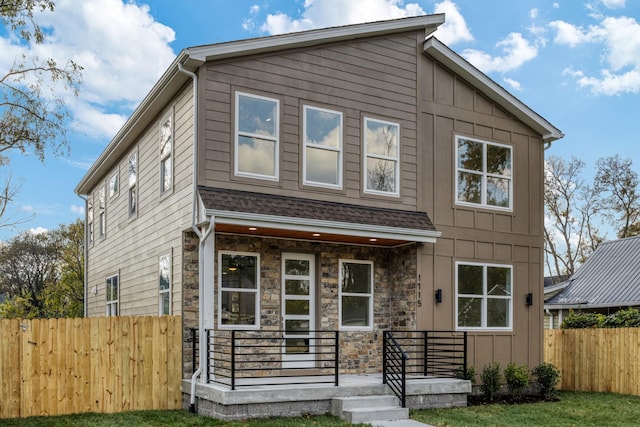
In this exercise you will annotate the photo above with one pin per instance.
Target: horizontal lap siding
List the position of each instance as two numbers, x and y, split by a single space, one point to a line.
375 78
133 246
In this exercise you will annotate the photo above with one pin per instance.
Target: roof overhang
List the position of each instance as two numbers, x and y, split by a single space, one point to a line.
586 305
440 52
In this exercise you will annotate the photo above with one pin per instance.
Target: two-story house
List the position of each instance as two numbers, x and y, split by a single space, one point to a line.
353 179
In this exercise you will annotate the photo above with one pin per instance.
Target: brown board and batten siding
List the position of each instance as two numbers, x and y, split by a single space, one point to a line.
364 78
449 106
132 245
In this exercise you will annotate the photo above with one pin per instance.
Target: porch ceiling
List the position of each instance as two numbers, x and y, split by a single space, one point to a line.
242 212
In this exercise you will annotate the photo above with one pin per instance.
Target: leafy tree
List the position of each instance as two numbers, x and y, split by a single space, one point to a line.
571 209
33 112
43 274
620 199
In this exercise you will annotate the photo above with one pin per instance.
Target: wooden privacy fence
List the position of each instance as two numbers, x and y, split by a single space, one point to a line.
595 359
108 364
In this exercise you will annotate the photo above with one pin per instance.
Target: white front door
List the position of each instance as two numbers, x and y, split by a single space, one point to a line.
298 310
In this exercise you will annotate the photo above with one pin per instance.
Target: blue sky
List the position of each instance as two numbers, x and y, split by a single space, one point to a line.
575 62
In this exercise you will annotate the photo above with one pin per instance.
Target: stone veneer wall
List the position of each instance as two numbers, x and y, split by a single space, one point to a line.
190 244
395 291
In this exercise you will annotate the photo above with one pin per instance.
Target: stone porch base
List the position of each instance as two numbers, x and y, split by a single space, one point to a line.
287 400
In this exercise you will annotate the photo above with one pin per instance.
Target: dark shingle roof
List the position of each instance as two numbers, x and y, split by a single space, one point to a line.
269 204
609 278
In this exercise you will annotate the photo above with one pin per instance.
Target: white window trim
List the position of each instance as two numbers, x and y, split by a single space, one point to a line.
275 139
341 294
161 292
306 145
483 297
395 159
102 212
169 155
256 291
133 214
484 174
115 302
91 218
115 174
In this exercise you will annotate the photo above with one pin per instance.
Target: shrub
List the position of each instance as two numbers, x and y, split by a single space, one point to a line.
517 379
629 318
548 377
490 377
583 320
470 374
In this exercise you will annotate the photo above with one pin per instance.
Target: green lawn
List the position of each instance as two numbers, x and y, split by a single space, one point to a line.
573 409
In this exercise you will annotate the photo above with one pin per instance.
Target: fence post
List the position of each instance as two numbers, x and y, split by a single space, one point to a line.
424 362
464 363
404 380
384 357
336 357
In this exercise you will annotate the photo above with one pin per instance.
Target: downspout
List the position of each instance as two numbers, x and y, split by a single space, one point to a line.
85 251
546 310
202 239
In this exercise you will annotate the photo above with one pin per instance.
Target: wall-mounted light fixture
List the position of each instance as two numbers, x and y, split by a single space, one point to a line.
529 298
94 290
438 296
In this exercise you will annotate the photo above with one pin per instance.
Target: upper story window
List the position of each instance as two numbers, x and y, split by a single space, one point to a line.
238 290
114 185
113 296
133 184
483 296
166 150
322 147
90 218
164 273
356 295
256 138
381 157
102 214
484 173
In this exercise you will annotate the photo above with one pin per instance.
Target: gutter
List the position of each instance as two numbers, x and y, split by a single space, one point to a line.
201 247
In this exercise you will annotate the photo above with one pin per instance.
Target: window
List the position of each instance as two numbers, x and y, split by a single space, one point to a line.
356 295
90 217
113 185
381 154
133 181
164 274
166 147
238 290
484 174
256 144
483 296
322 147
113 293
102 224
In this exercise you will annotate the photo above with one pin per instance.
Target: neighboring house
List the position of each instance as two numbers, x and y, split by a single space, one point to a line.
355 179
608 281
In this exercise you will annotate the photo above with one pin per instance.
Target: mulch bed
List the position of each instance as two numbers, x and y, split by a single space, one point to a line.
506 399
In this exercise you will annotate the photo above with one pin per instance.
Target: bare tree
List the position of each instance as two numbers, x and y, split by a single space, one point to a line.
620 198
570 234
33 112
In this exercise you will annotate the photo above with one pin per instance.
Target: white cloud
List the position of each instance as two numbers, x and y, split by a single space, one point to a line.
516 51
455 28
556 5
513 84
78 210
329 13
38 230
614 4
620 40
533 13
122 48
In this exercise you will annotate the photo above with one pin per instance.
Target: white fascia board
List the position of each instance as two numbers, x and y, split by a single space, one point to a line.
326 227
588 306
315 37
555 288
439 51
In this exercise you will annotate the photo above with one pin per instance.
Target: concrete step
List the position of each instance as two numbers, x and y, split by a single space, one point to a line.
363 409
364 415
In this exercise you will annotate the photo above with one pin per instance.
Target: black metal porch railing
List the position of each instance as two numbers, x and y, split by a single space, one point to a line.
241 358
394 367
440 354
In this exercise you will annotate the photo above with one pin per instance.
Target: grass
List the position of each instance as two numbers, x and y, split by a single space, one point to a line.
573 409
